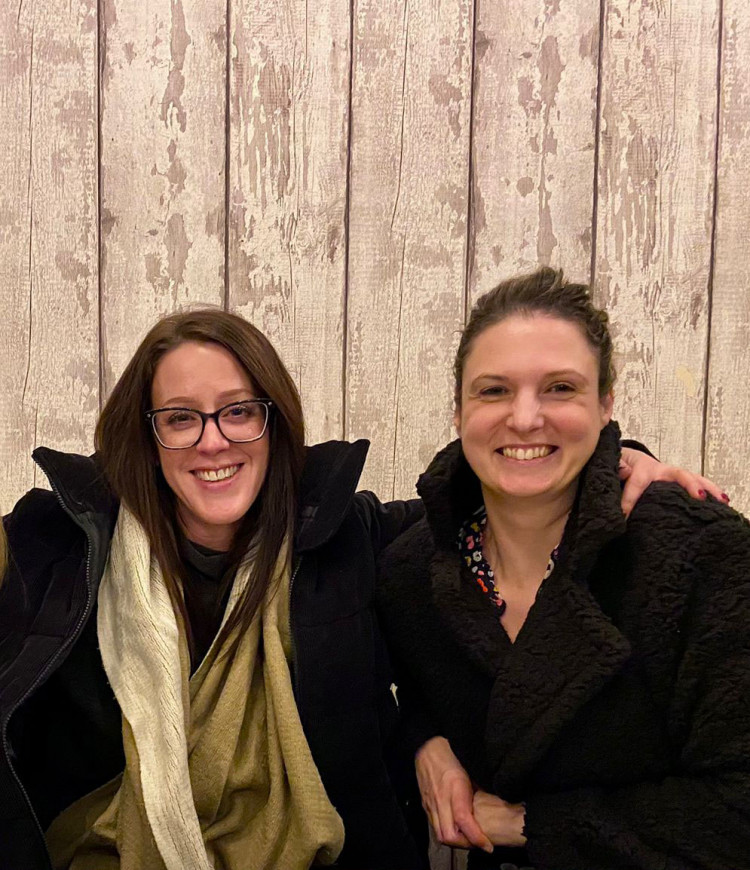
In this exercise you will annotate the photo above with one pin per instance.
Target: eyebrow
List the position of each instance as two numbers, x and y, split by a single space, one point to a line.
560 373
227 397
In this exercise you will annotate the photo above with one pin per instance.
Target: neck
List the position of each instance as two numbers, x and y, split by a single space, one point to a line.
521 533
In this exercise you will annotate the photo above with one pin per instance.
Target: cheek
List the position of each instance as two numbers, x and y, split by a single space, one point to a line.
481 421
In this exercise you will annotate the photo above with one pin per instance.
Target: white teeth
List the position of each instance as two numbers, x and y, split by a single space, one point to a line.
218 473
522 454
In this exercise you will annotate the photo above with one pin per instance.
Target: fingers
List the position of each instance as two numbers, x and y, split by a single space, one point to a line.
455 823
471 830
448 795
695 485
634 487
700 487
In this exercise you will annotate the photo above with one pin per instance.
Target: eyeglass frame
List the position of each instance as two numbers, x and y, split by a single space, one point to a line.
267 404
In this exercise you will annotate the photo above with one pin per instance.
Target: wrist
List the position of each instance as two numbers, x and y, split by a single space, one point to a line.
517 824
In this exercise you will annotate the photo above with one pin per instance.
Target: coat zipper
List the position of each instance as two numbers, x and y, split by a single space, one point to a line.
50 664
295 669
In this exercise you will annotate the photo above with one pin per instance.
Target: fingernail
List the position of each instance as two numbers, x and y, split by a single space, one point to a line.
701 493
725 497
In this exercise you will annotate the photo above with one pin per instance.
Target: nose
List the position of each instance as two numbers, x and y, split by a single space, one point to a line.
212 441
526 412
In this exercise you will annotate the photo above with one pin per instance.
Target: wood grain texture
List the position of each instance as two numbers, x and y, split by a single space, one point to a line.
727 448
534 138
49 380
162 166
655 204
288 147
409 201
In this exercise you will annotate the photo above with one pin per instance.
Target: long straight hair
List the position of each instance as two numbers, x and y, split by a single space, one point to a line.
127 449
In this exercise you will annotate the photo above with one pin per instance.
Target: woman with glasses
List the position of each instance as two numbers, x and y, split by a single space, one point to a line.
191 674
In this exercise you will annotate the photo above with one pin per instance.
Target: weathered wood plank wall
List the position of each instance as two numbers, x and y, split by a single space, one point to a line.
350 175
726 443
48 234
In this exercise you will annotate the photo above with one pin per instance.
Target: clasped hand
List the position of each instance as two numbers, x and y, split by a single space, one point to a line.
459 815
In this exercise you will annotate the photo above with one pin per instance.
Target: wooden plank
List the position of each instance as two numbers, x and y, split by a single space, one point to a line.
407 229
534 135
162 166
49 379
288 160
727 448
655 203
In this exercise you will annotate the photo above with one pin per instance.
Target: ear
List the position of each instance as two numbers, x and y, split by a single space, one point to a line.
457 420
607 403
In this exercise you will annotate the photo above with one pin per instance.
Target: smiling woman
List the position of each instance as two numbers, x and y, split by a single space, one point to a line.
575 682
204 712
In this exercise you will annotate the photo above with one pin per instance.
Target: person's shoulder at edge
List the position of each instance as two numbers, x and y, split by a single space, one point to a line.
669 504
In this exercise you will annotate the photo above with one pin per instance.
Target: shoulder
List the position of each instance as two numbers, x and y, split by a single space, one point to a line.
710 540
666 510
405 562
39 532
36 513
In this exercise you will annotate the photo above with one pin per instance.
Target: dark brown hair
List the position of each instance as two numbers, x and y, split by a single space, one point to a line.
547 292
128 453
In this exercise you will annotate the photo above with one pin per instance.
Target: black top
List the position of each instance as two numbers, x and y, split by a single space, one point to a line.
206 594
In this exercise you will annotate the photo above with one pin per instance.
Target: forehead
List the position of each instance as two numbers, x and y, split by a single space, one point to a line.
535 340
194 367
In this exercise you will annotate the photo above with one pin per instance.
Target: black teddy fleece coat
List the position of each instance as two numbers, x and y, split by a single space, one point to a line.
621 714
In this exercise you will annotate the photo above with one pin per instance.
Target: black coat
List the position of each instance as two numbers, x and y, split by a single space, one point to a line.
621 714
60 722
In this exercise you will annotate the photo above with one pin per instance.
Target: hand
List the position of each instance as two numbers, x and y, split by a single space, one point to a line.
447 795
502 821
638 470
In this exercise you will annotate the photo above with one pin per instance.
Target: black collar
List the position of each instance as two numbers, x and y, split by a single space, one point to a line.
329 481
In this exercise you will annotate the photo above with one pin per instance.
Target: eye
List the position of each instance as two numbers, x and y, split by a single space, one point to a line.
561 388
496 391
178 419
242 412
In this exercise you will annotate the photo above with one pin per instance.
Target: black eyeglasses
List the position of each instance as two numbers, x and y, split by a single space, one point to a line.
240 422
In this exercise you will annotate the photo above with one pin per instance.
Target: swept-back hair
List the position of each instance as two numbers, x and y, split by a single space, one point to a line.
545 291
127 449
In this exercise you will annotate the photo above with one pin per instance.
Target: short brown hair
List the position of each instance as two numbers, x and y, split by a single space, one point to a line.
129 457
546 292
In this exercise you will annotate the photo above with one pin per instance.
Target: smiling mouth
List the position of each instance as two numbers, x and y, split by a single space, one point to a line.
524 454
214 474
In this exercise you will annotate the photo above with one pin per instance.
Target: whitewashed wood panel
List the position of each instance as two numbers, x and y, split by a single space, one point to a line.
288 161
163 90
727 446
534 138
409 199
49 380
655 201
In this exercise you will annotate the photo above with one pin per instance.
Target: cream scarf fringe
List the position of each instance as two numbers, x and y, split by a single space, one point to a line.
218 772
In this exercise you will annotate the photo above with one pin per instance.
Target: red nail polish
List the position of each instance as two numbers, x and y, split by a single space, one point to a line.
725 497
701 493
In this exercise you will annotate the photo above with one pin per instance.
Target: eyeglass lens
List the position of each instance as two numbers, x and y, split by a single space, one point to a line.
242 421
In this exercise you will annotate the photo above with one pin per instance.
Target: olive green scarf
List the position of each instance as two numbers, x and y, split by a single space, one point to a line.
218 773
